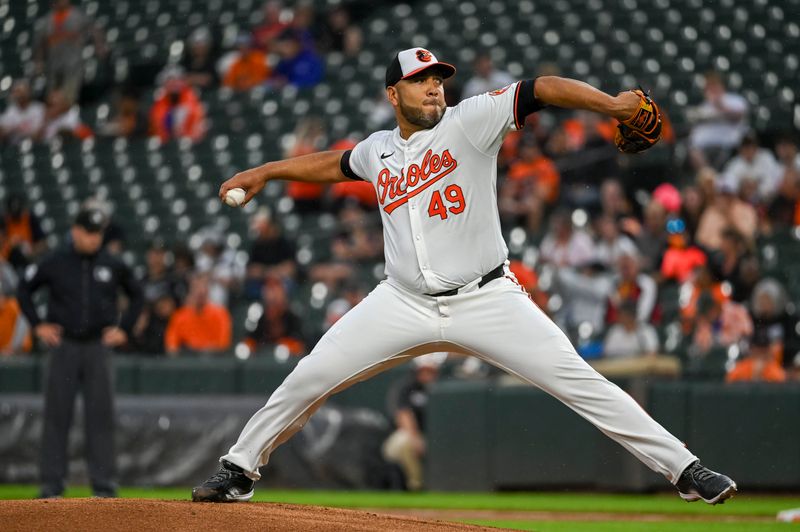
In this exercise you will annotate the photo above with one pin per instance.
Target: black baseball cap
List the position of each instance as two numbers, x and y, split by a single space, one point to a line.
413 61
92 219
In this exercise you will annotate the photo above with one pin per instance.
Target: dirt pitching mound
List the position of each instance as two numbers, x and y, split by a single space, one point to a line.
117 515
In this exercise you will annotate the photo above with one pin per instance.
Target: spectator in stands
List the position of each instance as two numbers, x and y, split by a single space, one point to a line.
760 364
23 239
199 326
565 246
62 118
23 117
337 267
693 203
338 34
727 210
8 275
359 240
271 26
681 257
784 210
59 44
631 348
485 77
531 186
350 295
768 307
249 69
788 153
364 240
304 18
128 118
309 137
151 329
707 183
271 255
651 236
669 197
528 279
586 291
613 201
158 279
611 244
15 333
199 60
176 112
278 325
755 166
381 113
708 314
632 285
728 262
182 270
630 337
408 400
579 143
720 124
225 270
299 64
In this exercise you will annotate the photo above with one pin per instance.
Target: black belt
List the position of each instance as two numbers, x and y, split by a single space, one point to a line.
491 276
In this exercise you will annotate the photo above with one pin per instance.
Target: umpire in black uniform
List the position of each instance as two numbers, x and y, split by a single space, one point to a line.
83 322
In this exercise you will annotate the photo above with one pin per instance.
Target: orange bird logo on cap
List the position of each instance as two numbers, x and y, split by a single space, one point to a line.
424 55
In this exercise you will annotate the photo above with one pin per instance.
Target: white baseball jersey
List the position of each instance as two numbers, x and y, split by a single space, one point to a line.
437 190
437 197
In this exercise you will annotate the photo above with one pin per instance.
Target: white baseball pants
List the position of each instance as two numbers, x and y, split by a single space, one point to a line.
497 323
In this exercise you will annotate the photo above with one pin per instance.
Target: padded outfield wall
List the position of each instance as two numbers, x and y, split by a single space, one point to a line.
175 417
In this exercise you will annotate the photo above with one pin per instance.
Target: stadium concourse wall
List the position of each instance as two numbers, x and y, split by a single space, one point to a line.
176 416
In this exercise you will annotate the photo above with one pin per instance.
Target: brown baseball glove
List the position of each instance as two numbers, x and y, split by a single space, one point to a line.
643 129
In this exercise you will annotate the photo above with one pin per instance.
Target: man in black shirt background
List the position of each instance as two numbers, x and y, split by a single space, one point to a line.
83 321
407 402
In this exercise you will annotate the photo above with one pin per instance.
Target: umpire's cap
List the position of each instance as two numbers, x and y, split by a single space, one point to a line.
413 61
92 219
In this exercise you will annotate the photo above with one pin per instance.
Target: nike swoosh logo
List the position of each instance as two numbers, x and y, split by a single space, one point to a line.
384 156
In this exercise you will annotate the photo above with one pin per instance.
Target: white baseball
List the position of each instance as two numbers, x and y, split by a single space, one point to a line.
234 197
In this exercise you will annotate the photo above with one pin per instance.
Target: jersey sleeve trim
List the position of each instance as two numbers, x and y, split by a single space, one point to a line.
344 164
525 102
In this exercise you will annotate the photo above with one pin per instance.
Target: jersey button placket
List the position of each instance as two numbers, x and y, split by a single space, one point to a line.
419 242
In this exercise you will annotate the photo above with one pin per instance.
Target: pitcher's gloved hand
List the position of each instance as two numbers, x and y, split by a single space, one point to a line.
643 129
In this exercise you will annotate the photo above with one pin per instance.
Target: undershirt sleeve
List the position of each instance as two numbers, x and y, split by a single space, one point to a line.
525 102
347 170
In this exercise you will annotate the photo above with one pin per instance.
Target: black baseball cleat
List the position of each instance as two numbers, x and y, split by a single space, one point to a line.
229 484
698 482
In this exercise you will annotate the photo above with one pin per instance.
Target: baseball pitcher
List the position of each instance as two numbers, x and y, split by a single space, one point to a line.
448 286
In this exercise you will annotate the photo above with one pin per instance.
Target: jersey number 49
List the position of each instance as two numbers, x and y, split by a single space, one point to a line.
453 195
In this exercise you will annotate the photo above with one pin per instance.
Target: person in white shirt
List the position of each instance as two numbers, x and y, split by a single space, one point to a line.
755 167
564 245
630 349
486 77
611 244
448 286
24 117
720 123
61 117
630 338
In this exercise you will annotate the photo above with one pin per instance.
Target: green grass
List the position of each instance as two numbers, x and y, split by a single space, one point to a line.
634 526
754 505
568 502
